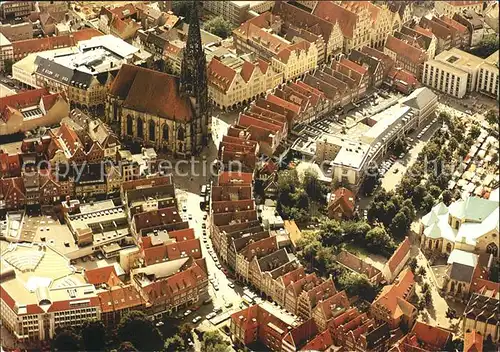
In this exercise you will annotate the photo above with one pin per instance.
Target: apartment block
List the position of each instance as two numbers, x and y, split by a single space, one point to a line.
454 72
406 55
10 10
487 81
15 32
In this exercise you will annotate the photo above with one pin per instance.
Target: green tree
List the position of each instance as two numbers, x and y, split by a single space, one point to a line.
355 230
492 117
410 213
428 298
331 233
7 63
435 191
371 180
420 304
425 287
389 213
487 46
445 117
399 146
377 240
447 197
400 225
93 335
494 271
427 203
313 186
213 342
140 331
127 346
412 264
453 144
357 285
181 8
422 272
66 340
418 196
474 132
174 344
219 26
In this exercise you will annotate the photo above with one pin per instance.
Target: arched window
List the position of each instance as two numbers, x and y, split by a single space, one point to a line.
140 128
180 134
492 248
165 132
152 130
448 247
130 125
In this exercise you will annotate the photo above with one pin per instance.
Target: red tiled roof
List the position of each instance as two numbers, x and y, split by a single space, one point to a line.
152 92
328 305
320 343
28 46
85 34
263 65
7 298
302 333
431 335
247 71
334 13
24 99
473 342
126 10
235 178
281 102
400 253
423 31
345 198
260 248
414 54
65 305
284 54
191 248
106 274
182 235
294 275
393 297
354 66
118 298
220 75
456 25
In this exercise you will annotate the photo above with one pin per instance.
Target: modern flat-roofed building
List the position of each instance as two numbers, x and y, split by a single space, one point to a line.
456 72
487 81
6 51
10 10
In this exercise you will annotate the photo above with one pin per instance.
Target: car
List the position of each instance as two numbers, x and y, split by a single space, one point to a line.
395 171
218 310
160 323
218 266
187 312
229 304
203 226
469 112
190 217
184 208
100 256
211 315
205 217
205 240
401 156
85 258
197 319
216 287
231 285
204 232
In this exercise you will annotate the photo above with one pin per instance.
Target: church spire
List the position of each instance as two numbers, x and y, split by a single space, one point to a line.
193 80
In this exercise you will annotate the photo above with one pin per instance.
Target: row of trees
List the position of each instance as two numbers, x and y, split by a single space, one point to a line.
296 198
135 332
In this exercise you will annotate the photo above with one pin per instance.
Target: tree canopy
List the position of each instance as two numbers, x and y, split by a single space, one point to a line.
219 26
213 342
140 331
93 335
66 340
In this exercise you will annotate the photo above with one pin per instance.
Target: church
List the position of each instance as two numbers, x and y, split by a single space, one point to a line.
164 111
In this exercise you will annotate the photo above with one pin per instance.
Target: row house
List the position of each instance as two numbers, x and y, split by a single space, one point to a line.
424 337
23 48
268 132
295 60
474 23
148 221
12 193
258 266
330 308
269 277
117 301
295 288
120 21
422 37
155 250
238 150
354 20
166 290
403 8
230 84
372 64
309 297
151 17
406 56
252 250
281 284
392 304
383 22
10 164
29 110
256 325
449 33
449 8
385 60
239 239
478 315
357 72
310 27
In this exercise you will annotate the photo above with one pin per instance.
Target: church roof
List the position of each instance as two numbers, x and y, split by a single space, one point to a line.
153 92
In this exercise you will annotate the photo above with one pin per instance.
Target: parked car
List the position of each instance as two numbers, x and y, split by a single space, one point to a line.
190 217
217 310
205 217
396 170
197 319
231 285
187 312
184 208
211 315
160 323
203 226
229 304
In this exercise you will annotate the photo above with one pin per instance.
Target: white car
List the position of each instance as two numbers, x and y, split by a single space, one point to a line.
229 304
187 312
211 315
197 319
184 208
231 285
160 323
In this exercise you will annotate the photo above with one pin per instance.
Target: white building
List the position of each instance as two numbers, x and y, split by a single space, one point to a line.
487 81
41 291
454 72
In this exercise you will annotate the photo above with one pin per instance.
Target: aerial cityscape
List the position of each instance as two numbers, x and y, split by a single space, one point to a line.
239 176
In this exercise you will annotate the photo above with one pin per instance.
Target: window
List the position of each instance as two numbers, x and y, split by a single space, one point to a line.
152 130
165 132
140 128
180 134
130 125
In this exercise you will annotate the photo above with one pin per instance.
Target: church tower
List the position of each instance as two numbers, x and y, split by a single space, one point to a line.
193 82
